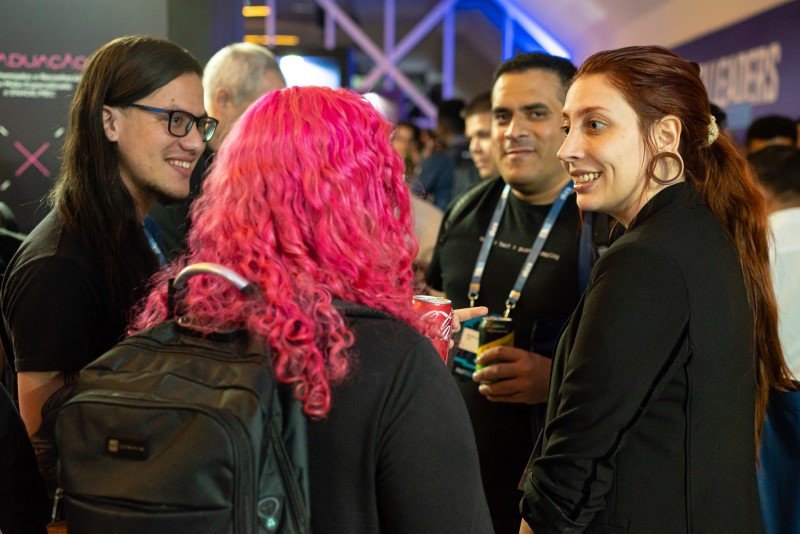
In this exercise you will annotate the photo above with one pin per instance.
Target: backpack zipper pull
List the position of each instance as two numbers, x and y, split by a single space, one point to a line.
56 501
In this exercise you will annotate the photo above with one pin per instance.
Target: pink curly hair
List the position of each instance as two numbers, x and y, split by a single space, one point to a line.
306 198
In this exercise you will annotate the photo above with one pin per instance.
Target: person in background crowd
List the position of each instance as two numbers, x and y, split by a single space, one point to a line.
436 174
660 381
406 142
477 117
23 499
770 130
447 171
428 143
137 127
233 78
778 170
451 128
426 216
527 98
291 204
427 219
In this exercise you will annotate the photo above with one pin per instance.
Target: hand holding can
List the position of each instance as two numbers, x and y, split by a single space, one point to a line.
436 318
494 332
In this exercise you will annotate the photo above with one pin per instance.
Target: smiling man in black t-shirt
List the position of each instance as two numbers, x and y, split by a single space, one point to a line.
527 98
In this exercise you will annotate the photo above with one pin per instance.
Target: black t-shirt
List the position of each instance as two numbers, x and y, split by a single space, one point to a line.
552 289
505 432
396 452
57 313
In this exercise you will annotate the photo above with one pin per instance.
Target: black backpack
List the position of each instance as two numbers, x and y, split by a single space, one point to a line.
172 431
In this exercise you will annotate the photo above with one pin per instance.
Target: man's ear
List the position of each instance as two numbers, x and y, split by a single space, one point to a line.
222 97
111 123
667 134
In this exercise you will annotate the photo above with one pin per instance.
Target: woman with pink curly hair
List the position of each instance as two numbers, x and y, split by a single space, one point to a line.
307 199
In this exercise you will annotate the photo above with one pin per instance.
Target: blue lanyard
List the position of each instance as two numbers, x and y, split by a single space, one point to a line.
530 260
154 245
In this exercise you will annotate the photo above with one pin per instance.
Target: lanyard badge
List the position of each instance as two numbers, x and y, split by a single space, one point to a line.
530 260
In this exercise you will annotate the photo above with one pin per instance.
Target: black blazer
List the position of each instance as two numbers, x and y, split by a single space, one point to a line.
652 400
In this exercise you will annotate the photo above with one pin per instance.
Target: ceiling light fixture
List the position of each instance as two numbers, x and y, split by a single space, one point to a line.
279 40
255 11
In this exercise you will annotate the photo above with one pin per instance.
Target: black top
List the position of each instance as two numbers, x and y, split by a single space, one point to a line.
505 432
57 315
56 309
552 288
651 413
396 452
23 499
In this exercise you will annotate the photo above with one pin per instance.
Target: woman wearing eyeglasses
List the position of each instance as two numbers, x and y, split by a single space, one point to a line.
137 127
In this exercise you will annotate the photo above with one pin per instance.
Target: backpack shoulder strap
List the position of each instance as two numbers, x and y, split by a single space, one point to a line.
289 440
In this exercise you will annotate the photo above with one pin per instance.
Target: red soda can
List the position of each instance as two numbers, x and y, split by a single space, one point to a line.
436 318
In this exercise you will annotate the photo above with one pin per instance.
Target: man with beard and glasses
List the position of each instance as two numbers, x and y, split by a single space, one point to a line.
530 209
137 126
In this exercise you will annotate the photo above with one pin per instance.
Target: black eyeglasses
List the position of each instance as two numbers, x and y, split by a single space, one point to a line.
180 122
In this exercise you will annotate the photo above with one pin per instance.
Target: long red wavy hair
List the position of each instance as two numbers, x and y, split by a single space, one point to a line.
655 82
306 198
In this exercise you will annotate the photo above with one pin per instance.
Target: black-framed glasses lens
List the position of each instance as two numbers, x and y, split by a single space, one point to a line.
181 122
207 127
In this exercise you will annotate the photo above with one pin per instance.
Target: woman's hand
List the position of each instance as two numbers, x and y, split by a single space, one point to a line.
465 314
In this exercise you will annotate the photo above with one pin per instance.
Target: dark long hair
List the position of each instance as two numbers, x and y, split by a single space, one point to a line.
655 82
93 202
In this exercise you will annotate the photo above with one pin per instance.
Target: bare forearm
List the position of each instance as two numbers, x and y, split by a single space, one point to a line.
34 390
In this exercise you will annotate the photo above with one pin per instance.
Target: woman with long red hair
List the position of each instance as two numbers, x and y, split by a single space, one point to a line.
660 381
306 198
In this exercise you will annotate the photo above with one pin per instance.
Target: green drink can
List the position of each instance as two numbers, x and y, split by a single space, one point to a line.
494 332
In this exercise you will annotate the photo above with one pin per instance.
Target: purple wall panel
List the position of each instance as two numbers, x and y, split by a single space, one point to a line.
752 68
